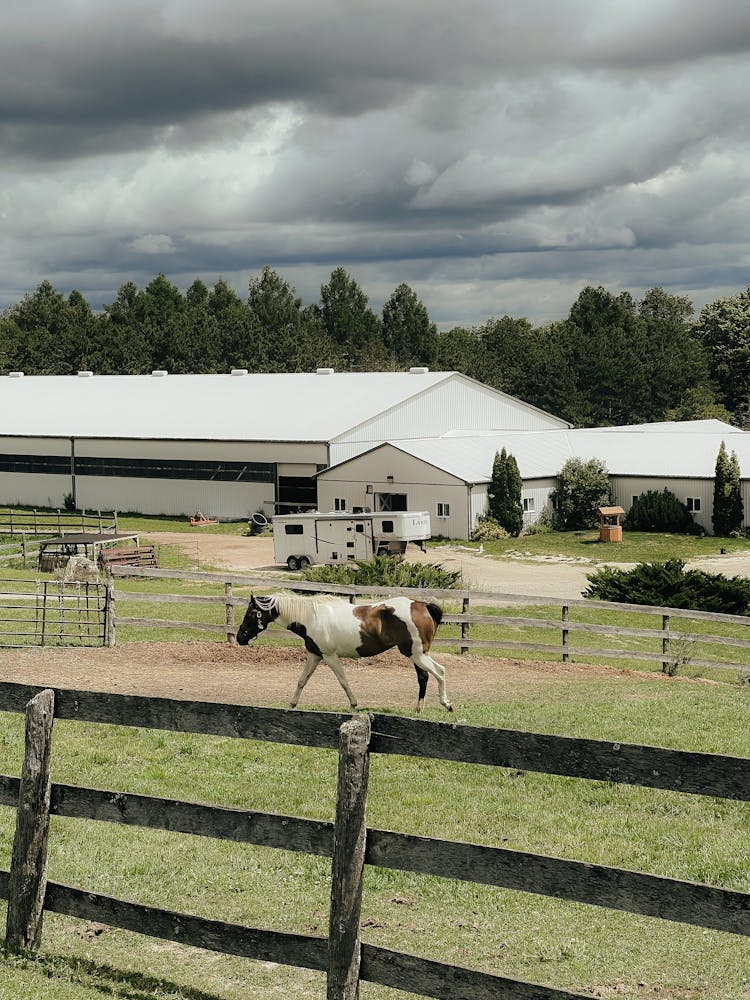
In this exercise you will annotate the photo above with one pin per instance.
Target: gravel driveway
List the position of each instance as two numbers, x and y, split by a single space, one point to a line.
536 577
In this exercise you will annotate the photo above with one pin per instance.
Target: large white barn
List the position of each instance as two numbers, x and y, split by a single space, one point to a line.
228 445
449 475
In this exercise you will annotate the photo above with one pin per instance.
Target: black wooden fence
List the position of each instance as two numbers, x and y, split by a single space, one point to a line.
348 841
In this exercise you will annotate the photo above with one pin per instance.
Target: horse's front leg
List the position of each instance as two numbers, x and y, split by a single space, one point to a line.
313 659
338 668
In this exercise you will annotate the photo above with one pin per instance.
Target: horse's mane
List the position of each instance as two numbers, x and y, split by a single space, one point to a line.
300 607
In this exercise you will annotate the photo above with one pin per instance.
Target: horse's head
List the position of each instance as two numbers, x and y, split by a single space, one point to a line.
259 615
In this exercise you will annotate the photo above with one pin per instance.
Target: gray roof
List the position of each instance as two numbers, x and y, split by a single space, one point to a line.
235 407
669 450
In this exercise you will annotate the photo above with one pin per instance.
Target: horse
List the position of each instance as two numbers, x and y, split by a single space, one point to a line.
332 627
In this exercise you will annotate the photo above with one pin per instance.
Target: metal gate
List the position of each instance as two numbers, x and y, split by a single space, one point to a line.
52 613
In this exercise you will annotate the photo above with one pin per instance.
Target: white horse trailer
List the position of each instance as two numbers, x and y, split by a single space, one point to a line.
301 540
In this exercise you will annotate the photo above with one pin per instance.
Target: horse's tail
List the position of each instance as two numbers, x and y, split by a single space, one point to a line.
436 613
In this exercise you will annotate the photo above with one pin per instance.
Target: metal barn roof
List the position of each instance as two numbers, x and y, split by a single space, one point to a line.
239 406
686 450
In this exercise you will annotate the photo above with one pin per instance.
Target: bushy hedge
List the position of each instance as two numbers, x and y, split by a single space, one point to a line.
660 511
668 584
387 571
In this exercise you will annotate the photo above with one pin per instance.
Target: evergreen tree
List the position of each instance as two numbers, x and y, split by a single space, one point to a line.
721 518
346 317
505 493
735 506
407 330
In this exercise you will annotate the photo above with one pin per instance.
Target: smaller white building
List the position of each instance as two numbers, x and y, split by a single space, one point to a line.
449 475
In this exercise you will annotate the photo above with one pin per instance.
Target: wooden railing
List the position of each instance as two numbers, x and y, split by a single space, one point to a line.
45 523
671 647
347 841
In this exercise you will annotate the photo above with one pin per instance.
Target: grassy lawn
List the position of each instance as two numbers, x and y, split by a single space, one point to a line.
568 945
636 546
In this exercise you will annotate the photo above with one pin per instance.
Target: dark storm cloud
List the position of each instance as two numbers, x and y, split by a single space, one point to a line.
501 156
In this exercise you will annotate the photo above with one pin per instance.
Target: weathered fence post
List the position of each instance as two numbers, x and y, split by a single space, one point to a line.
231 637
109 610
348 859
565 654
665 665
464 625
27 882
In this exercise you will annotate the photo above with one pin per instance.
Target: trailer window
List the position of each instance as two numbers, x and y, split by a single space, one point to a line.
294 529
387 527
359 527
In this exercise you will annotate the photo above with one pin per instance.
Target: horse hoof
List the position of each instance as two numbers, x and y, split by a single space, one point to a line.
449 707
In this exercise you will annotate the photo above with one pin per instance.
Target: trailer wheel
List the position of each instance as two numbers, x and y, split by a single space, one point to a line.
304 562
292 563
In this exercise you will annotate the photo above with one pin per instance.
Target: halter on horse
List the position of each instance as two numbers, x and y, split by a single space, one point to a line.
331 628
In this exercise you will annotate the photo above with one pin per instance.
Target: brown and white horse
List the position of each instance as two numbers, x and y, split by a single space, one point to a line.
331 628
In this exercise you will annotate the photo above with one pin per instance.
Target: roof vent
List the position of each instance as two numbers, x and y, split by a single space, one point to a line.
15 374
418 371
238 371
159 373
85 374
324 371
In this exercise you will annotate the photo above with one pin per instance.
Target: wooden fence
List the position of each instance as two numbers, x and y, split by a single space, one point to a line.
36 522
50 612
673 648
348 841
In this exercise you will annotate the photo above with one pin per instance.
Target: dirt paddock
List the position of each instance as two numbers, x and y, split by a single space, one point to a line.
267 675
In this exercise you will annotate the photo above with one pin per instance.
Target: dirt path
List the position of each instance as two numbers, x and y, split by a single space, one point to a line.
540 577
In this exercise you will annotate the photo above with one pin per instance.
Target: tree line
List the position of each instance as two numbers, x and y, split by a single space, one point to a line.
611 360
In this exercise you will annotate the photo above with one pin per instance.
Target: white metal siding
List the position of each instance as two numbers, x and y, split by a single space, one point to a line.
624 488
174 496
453 403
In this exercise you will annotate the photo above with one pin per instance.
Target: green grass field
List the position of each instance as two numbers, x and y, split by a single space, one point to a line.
569 945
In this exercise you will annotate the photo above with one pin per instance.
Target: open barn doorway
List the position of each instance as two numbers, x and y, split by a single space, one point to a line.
391 501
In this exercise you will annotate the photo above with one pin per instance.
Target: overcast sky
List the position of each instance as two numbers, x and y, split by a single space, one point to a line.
496 155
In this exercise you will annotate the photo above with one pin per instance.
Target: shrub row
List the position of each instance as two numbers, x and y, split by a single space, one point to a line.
668 584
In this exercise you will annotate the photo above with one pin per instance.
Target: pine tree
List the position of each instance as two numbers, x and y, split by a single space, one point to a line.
505 493
736 508
721 517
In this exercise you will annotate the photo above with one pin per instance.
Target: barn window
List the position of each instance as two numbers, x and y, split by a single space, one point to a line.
168 468
693 504
294 529
528 505
443 509
47 464
339 503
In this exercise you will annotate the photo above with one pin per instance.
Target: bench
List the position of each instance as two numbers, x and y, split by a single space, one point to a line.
142 555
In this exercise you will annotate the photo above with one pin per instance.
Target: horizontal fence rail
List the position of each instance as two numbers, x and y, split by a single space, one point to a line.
636 892
44 612
672 648
57 522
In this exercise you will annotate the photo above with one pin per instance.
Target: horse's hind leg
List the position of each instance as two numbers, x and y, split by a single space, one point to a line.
338 668
313 659
422 678
438 672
